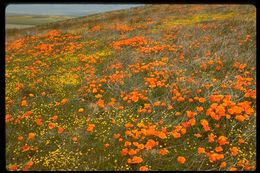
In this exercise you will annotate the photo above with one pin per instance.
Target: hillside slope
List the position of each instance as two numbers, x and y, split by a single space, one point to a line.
159 87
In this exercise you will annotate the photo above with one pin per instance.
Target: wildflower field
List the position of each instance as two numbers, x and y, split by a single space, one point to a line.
156 87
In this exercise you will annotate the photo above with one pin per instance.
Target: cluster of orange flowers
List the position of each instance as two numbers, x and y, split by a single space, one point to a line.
222 106
135 41
247 39
140 131
95 28
239 66
123 28
134 96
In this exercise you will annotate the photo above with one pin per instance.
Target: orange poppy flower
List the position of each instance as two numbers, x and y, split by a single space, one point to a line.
201 150
192 121
215 156
31 136
176 134
20 138
181 159
197 135
150 144
60 130
218 149
90 128
232 169
117 135
222 140
190 114
74 138
135 160
223 164
205 124
234 151
51 125
199 109
163 151
183 131
106 145
177 113
211 137
13 167
128 144
124 151
100 103
64 101
240 118
132 152
25 148
54 118
157 103
202 100
129 125
143 168
38 121
24 103
81 110
241 141
162 135
30 163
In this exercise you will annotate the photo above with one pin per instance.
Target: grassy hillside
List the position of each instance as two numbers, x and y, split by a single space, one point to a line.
22 21
159 87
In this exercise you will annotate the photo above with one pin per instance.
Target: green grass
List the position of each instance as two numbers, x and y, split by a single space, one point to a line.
78 60
18 21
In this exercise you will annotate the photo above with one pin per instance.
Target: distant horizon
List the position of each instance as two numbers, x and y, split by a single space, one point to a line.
64 9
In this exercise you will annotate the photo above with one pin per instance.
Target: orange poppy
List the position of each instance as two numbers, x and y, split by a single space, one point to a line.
128 125
124 151
51 125
150 144
163 151
176 134
81 110
162 135
211 137
20 138
25 148
232 169
143 168
106 145
101 103
222 140
117 135
60 130
234 151
223 164
128 144
181 159
24 103
201 150
74 138
13 167
38 121
135 160
90 128
64 101
31 136
218 149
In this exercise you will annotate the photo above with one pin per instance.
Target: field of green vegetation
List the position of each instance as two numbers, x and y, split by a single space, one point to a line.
157 87
24 21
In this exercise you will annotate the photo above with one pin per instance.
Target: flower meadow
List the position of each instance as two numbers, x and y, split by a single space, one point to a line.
158 87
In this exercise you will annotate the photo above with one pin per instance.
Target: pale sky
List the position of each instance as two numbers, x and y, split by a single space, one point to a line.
65 9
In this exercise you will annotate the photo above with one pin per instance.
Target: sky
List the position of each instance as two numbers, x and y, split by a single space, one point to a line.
65 9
